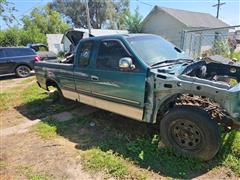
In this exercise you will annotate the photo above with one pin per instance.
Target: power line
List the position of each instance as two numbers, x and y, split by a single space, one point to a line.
218 5
145 3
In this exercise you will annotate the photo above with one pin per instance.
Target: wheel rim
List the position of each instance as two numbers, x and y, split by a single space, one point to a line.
186 134
23 71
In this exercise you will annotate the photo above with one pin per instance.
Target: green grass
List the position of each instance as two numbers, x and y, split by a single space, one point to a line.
114 144
230 153
4 99
144 152
119 147
40 104
95 159
45 130
34 100
28 80
37 177
34 176
49 128
3 165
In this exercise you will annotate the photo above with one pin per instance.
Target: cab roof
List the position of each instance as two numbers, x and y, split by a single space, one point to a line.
118 36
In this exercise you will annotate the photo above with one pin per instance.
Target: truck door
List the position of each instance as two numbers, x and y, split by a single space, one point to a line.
82 69
116 90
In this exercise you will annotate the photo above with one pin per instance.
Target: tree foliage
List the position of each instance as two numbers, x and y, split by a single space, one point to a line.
40 22
20 37
103 13
133 22
6 11
45 20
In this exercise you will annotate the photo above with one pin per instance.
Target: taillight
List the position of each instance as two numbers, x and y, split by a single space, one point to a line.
37 58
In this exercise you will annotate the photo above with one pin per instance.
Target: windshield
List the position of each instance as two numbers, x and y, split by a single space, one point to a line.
153 49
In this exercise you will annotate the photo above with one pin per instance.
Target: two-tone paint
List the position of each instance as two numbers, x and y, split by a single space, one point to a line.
138 94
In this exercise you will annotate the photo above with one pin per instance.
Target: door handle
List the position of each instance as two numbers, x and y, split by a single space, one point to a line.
94 78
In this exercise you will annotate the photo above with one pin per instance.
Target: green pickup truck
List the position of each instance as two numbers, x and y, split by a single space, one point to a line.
146 78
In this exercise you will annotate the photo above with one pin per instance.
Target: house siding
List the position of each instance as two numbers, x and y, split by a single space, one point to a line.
165 25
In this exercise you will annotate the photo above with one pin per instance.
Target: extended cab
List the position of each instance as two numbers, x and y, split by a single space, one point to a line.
146 78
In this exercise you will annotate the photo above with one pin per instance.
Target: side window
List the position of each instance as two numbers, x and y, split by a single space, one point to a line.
85 53
109 54
2 54
10 52
23 51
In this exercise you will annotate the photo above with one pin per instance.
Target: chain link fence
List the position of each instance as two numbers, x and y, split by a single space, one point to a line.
215 41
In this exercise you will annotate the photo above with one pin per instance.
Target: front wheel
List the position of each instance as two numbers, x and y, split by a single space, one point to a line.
23 71
191 131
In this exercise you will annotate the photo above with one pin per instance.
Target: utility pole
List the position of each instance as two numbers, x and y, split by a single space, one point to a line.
88 18
218 5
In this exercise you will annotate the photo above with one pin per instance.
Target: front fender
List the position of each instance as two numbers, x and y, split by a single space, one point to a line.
227 98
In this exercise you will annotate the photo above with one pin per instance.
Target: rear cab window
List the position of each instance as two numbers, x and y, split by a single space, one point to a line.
85 52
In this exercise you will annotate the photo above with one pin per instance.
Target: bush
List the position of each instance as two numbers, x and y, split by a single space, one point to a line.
21 37
9 37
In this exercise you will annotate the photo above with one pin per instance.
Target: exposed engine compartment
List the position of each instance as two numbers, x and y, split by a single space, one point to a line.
222 73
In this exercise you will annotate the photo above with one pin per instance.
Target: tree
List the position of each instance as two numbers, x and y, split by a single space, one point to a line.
45 20
6 11
133 22
103 14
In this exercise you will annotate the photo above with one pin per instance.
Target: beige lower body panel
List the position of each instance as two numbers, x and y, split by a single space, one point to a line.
118 108
70 94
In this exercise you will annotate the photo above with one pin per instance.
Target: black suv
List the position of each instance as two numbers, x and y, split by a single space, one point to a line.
19 61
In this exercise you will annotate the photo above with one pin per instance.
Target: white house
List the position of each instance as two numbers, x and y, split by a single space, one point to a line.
54 42
172 24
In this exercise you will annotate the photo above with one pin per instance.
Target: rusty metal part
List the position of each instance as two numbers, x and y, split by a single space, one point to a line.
212 108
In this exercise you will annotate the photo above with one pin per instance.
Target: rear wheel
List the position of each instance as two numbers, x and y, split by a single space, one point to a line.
23 71
191 131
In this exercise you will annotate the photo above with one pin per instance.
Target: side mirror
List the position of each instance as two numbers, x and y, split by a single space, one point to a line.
126 63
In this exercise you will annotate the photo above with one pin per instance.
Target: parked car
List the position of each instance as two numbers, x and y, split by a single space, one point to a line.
146 78
19 61
43 52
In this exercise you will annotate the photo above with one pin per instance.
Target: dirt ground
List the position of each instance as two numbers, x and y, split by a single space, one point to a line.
24 154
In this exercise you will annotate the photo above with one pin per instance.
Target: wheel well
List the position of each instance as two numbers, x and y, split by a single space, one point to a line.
51 83
215 111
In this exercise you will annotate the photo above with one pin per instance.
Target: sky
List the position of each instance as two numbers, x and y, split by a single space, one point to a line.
229 13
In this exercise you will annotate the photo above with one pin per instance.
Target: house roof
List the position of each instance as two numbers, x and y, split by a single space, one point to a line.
190 18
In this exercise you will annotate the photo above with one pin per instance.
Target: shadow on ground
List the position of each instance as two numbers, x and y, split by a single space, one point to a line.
131 139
